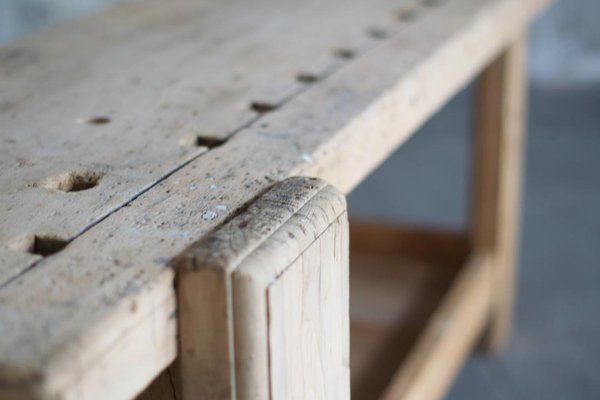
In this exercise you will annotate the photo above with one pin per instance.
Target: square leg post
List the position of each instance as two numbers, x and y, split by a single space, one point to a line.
499 120
264 300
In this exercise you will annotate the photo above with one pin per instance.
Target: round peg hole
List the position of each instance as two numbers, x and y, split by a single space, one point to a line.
307 78
345 54
41 245
195 140
73 181
47 245
98 120
208 141
262 107
377 33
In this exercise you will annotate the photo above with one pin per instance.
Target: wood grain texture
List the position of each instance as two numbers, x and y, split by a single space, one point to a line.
123 99
498 163
61 315
264 300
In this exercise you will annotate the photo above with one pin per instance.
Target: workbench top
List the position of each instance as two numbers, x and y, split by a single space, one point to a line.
128 135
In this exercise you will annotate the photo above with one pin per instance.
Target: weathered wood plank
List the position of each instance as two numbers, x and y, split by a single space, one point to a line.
119 101
61 317
497 170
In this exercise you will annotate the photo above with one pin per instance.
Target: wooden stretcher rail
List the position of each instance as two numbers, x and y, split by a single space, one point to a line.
93 214
415 315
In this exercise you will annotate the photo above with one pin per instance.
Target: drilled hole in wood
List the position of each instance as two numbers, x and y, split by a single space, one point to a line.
377 33
209 142
307 78
44 245
345 54
262 107
73 181
47 245
98 120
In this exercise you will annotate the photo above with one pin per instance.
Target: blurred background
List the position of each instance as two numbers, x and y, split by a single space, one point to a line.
554 352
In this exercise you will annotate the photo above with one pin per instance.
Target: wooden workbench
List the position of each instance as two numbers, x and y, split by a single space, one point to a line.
130 141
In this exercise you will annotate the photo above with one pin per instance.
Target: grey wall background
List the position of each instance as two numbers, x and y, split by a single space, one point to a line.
21 17
565 42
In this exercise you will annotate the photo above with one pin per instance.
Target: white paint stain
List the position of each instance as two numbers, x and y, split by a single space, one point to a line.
307 158
209 215
221 207
184 234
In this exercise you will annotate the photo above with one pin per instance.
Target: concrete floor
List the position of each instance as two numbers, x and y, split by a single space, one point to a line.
554 352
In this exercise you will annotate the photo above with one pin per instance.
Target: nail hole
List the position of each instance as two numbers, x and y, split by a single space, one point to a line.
262 107
377 33
42 245
345 54
307 78
209 142
98 121
73 181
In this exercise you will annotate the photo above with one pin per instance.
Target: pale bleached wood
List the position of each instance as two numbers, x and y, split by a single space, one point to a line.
308 321
204 288
396 288
150 341
264 300
340 129
82 99
497 170
14 261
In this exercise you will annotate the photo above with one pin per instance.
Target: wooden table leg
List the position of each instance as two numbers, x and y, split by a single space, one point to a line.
263 301
497 167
